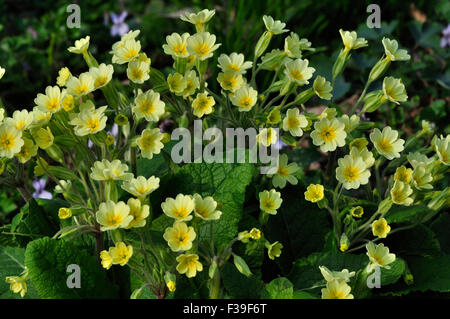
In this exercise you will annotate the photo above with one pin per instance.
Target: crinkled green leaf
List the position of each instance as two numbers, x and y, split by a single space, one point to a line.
279 288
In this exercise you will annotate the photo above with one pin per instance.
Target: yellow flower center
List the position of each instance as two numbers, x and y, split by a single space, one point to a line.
181 212
292 122
82 88
202 49
142 190
7 142
203 104
131 53
93 125
246 101
351 173
269 204
113 220
100 81
148 142
328 134
384 145
296 75
234 67
53 104
282 171
147 107
137 74
180 49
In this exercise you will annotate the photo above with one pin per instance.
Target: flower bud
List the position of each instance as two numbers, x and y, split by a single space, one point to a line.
373 101
121 120
304 96
385 206
43 137
340 63
378 69
344 243
262 43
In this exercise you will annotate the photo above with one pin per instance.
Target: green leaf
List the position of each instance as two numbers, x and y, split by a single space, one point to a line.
430 273
241 265
441 227
47 260
280 288
401 214
390 276
239 286
303 295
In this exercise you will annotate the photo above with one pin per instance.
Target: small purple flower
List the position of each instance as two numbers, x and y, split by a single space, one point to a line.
280 144
445 41
119 26
40 192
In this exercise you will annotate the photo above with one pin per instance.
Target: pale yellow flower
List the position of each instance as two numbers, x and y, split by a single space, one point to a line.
422 177
150 142
270 201
68 103
139 212
202 45
364 154
176 45
400 193
80 86
106 259
234 62
274 26
21 120
18 285
329 134
419 159
285 173
329 275
323 88
387 142
199 19
149 106
110 171
244 98
101 74
90 120
40 118
350 122
2 72
177 83
28 150
11 141
314 193
403 174
121 253
112 216
203 104
64 213
126 51
352 172
179 237
206 208
267 136
44 137
81 46
351 40
179 208
51 101
192 83
379 256
188 264
63 75
141 186
138 71
337 289
442 147
230 80
294 122
298 71
392 52
380 228
394 90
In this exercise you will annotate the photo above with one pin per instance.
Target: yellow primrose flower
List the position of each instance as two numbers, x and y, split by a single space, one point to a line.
150 142
267 136
106 259
110 171
177 83
270 201
64 213
380 228
80 86
90 120
352 172
294 122
337 289
202 45
379 256
329 275
255 234
421 177
357 211
192 83
126 51
298 71
400 193
140 186
230 80
121 253
285 173
359 143
81 46
138 71
274 250
442 147
364 154
351 40
329 134
28 150
51 101
205 208
328 113
171 286
101 74
40 118
188 264
2 72
314 193
293 46
68 103
139 212
63 75
179 237
11 141
179 208
203 104
419 159
274 26
199 19
394 90
350 122
234 62
112 216
392 52
387 142
149 106
21 120
244 98
274 117
18 285
403 174
323 88
44 137
176 45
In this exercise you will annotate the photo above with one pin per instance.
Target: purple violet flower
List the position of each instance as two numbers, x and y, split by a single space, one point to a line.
40 192
445 40
119 26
